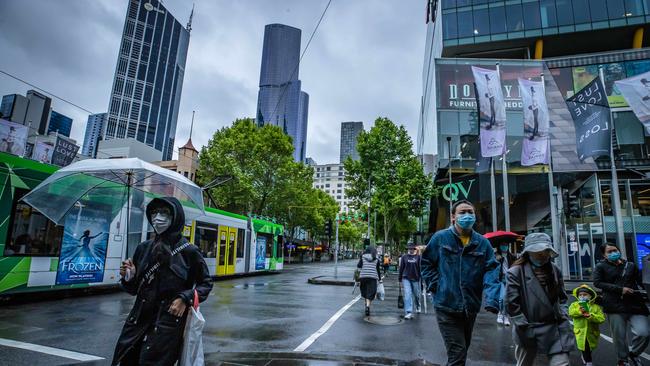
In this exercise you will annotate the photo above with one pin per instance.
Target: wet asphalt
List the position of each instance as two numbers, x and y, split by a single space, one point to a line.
260 321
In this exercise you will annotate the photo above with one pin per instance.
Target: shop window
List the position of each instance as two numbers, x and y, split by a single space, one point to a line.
548 13
515 18
31 233
465 24
532 19
481 22
497 20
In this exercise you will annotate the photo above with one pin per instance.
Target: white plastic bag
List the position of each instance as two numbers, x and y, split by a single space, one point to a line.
192 354
381 293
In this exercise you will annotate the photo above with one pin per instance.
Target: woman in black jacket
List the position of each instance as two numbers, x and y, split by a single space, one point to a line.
163 275
625 307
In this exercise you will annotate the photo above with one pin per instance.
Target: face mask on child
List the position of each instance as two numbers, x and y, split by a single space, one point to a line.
583 298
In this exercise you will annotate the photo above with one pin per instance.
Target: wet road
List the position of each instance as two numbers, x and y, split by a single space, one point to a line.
275 314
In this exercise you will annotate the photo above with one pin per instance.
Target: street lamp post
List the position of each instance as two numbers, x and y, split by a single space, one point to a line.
451 203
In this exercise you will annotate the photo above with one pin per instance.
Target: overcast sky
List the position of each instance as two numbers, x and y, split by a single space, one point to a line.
365 60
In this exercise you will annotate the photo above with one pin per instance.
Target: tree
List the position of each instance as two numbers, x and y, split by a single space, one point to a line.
388 175
350 234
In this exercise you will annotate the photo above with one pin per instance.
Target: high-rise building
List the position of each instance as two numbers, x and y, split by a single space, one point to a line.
14 107
280 101
94 128
349 133
148 77
38 111
60 124
330 178
568 42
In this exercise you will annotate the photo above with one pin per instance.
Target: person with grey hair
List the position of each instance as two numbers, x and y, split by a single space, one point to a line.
537 305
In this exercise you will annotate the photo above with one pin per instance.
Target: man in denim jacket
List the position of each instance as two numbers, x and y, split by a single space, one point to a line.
457 265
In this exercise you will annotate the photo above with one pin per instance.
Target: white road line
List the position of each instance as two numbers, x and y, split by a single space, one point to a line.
610 340
49 350
328 324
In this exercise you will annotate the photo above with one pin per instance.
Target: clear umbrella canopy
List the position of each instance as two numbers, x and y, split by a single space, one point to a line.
110 181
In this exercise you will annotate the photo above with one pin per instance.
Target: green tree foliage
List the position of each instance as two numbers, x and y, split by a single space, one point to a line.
350 234
267 181
387 175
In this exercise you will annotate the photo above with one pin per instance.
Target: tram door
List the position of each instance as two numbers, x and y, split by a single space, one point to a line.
227 250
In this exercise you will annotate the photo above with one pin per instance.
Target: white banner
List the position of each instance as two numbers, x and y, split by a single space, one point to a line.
492 116
13 137
536 123
636 91
43 152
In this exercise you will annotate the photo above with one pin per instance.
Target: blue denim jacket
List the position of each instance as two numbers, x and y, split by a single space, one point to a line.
457 275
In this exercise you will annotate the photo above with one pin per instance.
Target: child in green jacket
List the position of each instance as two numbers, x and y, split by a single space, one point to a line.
587 317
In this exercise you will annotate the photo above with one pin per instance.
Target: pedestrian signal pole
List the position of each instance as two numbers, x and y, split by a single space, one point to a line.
336 249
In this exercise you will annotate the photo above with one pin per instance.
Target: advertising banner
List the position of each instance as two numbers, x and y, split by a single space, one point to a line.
260 254
13 137
636 91
42 152
590 112
83 249
64 152
536 123
492 111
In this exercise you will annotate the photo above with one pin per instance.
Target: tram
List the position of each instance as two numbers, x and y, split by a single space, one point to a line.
35 254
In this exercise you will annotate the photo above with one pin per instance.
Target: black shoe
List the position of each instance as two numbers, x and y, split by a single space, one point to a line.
367 310
634 361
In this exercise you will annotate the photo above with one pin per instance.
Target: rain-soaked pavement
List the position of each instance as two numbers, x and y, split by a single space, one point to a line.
266 320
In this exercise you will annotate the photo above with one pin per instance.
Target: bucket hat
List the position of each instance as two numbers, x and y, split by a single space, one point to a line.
538 242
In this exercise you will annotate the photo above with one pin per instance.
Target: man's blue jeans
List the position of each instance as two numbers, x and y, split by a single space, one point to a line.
411 292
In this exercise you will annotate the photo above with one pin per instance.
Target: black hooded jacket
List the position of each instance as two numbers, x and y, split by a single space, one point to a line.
177 277
611 278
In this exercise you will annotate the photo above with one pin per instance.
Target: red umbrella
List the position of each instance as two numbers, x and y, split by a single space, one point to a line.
501 235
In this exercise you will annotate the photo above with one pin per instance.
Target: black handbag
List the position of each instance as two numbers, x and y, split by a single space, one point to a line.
400 299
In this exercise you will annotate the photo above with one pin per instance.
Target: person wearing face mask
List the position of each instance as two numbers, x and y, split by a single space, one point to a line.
457 265
587 317
506 259
165 274
536 304
409 278
620 281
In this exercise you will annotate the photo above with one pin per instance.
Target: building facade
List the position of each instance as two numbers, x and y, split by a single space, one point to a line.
94 128
59 123
148 78
187 163
127 148
280 101
349 133
14 107
330 178
566 41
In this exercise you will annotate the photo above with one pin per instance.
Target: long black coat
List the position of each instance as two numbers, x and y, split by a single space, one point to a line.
611 278
152 336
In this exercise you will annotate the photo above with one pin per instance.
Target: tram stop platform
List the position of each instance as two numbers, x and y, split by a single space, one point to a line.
302 359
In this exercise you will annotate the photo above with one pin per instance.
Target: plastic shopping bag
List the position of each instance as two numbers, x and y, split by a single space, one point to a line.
381 293
192 354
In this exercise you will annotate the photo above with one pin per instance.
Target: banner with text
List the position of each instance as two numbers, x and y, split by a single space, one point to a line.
536 123
13 137
492 111
636 91
64 152
590 112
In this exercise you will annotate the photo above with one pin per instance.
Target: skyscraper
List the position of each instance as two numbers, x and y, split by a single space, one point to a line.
94 128
38 111
148 77
59 123
14 107
349 133
280 100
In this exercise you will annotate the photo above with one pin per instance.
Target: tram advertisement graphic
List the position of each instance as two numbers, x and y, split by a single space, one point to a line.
260 253
590 112
492 111
83 250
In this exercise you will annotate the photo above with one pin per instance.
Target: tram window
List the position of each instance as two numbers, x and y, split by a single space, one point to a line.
222 248
269 246
241 233
32 234
206 239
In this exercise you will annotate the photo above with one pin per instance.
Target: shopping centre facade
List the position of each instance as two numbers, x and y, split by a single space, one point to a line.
566 51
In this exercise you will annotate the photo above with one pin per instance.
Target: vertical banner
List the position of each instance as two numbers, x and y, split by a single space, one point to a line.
536 123
13 137
492 112
590 112
260 254
64 152
636 91
83 250
42 152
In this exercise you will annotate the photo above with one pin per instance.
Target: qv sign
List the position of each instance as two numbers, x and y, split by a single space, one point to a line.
453 191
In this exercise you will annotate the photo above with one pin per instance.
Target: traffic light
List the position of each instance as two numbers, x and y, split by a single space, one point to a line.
573 206
366 243
328 228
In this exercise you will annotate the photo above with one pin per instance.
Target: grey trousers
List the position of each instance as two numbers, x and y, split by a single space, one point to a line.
619 324
456 330
526 357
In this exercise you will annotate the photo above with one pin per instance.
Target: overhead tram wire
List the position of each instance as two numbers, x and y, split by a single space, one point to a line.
295 69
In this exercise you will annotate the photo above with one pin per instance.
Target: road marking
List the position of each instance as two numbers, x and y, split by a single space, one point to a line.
610 340
49 350
328 324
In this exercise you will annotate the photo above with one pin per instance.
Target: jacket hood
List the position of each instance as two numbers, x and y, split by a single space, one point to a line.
178 215
591 291
368 257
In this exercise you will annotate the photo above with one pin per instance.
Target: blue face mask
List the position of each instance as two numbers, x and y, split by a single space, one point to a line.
504 248
538 263
613 257
466 221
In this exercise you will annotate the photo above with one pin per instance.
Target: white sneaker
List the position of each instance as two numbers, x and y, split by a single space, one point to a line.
408 316
500 319
506 321
418 310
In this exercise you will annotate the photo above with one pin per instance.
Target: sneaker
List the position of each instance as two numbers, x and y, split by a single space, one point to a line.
634 361
506 321
500 319
418 310
367 310
408 316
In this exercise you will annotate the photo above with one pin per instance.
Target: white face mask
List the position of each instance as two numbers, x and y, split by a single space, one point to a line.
584 298
161 222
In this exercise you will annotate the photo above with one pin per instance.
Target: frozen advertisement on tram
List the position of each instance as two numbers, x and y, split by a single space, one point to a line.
83 250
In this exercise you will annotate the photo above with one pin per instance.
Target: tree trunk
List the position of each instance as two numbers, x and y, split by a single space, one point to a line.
386 229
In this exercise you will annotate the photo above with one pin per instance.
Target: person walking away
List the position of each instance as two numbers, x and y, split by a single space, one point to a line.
625 307
587 317
506 259
386 263
163 275
369 276
457 264
536 305
409 278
